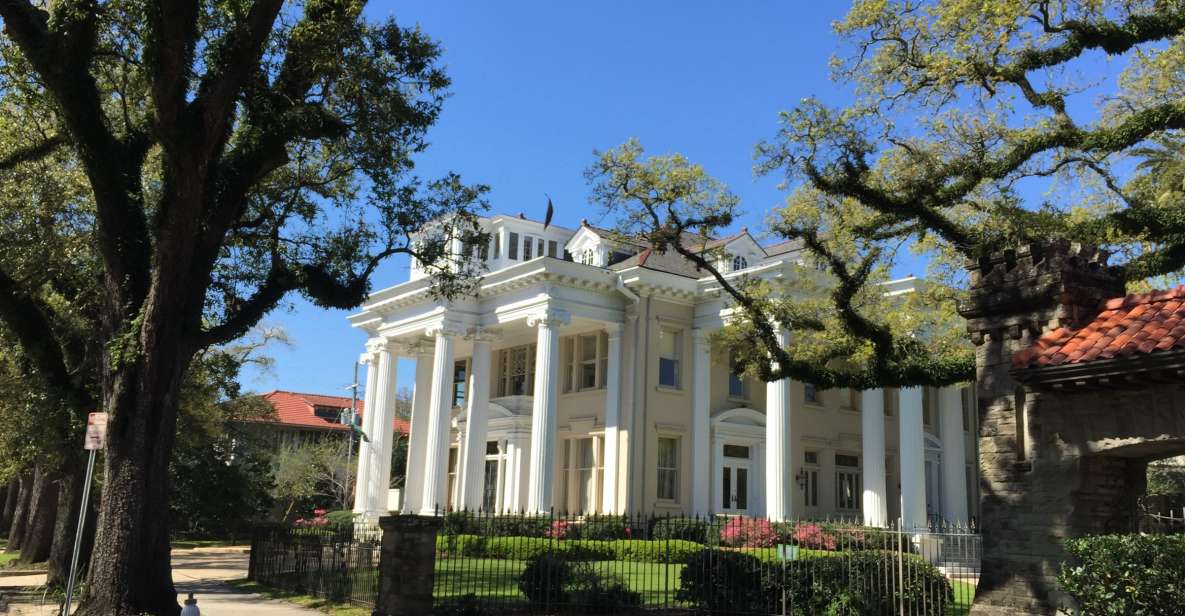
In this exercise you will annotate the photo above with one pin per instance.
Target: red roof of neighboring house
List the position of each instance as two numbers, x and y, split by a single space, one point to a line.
297 409
1137 324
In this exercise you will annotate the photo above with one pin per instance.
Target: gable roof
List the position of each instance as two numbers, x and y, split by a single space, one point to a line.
782 248
670 262
297 410
1135 325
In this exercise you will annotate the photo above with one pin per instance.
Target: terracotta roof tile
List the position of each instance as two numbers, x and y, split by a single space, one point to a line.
297 409
1135 324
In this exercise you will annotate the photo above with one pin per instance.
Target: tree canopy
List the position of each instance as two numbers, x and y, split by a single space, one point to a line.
976 126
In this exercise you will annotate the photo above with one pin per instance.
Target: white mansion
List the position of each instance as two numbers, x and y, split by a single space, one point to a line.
580 378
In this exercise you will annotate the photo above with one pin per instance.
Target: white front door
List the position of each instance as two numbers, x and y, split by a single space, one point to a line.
734 480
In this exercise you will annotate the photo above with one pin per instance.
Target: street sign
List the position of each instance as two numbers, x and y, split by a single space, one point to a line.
96 431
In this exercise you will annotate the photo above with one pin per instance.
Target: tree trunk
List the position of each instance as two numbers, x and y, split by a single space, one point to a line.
21 515
69 501
43 510
10 498
130 571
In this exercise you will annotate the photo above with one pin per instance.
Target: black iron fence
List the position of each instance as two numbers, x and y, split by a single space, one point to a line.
339 564
719 565
552 564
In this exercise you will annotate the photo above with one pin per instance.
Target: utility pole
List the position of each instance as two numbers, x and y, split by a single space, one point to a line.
353 387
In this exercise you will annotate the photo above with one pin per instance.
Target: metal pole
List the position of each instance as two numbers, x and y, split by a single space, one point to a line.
353 418
86 496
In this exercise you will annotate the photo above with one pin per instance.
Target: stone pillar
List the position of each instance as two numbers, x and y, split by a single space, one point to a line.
413 486
365 451
383 429
612 417
407 565
477 420
543 411
912 446
701 426
1028 505
780 462
872 421
954 456
440 407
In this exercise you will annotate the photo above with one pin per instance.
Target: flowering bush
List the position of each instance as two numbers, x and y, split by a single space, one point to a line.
318 519
742 532
559 529
813 537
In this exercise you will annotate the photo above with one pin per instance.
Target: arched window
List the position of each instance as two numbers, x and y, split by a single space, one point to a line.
588 257
739 263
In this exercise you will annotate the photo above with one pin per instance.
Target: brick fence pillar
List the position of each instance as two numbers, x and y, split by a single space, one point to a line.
407 565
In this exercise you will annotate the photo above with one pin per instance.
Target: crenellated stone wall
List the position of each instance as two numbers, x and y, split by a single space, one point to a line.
1054 463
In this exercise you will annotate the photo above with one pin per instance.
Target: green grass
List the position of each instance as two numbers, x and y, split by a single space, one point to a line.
6 558
316 603
498 579
964 593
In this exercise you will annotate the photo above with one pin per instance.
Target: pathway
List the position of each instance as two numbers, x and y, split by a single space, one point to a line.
202 571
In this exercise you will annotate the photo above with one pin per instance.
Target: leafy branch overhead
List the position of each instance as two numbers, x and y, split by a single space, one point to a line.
965 114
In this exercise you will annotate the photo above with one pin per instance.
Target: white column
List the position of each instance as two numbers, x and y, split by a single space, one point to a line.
477 420
413 486
701 398
499 491
913 449
612 418
872 420
779 457
954 462
365 451
439 415
381 432
543 411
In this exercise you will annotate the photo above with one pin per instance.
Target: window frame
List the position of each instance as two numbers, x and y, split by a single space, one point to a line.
512 246
849 474
461 385
677 360
672 470
811 396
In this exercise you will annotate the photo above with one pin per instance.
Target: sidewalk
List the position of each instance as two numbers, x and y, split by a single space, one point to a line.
201 571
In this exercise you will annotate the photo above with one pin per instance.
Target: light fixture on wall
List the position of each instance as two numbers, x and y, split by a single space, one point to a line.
800 479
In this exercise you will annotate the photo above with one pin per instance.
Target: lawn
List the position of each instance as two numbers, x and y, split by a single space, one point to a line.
323 605
497 579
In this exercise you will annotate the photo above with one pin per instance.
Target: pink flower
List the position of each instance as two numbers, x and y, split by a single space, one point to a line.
748 533
558 530
812 537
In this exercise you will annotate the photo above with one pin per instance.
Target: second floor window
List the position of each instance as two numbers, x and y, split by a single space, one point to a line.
739 263
736 382
586 359
512 247
811 395
516 371
670 355
459 376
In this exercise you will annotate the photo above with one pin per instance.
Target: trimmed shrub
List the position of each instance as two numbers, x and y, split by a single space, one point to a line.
742 532
543 579
723 581
599 593
529 548
604 527
682 528
341 519
1138 575
812 537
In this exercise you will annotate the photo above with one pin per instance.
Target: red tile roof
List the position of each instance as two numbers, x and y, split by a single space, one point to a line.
1137 324
296 409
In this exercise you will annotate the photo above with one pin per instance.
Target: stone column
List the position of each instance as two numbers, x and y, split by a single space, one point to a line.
872 421
413 487
612 417
543 411
702 478
384 428
407 565
365 451
954 460
439 415
477 421
779 456
913 450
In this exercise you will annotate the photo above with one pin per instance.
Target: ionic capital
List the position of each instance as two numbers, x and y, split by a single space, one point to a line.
613 330
446 328
484 334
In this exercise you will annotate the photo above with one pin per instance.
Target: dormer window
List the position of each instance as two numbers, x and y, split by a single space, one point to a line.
739 263
588 257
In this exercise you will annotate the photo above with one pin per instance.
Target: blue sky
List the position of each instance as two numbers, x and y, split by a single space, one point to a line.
537 86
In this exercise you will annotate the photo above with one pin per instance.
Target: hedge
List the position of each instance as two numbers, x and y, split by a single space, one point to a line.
1136 575
530 548
851 583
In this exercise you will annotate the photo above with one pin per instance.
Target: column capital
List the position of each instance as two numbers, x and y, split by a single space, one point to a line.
484 334
700 335
613 330
446 327
374 346
551 317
